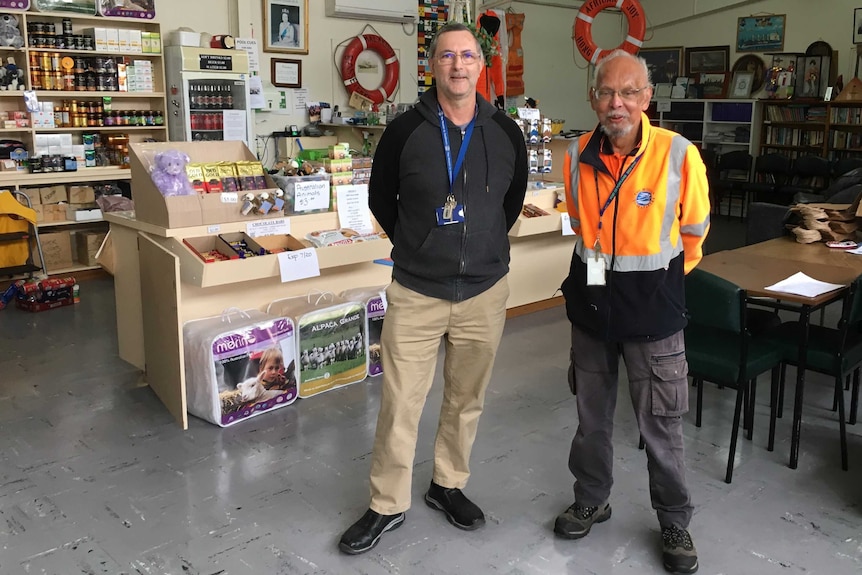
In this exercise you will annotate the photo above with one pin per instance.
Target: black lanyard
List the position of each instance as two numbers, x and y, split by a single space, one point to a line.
623 177
465 142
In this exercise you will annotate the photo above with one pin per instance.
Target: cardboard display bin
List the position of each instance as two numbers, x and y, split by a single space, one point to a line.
195 210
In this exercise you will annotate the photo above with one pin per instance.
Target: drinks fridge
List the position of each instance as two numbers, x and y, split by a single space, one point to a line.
208 94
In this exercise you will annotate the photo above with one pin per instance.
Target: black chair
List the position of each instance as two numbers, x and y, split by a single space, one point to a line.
770 172
832 351
844 165
808 175
710 160
733 175
720 349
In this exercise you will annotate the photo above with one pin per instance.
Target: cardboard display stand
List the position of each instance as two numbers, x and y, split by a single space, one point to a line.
198 209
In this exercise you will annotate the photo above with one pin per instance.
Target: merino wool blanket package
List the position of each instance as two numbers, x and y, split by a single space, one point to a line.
239 365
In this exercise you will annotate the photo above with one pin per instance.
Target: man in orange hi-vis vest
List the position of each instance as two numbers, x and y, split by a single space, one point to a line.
637 197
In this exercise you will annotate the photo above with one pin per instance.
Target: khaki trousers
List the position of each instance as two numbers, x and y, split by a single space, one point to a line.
409 343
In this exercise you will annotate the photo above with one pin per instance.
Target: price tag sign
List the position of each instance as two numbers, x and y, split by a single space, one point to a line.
214 229
662 106
274 227
298 265
230 198
311 196
529 113
567 225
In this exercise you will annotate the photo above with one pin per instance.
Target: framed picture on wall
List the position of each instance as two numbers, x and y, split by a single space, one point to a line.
285 26
285 73
857 26
760 33
706 59
665 64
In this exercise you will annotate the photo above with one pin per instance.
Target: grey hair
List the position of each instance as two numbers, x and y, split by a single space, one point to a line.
452 27
618 53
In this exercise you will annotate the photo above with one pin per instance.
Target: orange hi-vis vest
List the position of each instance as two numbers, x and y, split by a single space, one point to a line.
515 61
651 234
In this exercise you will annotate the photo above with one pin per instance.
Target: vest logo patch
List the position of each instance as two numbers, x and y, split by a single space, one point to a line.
643 198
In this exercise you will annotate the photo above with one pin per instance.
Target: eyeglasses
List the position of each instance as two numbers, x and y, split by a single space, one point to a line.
467 58
627 94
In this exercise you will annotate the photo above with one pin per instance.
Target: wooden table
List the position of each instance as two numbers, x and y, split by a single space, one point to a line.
759 265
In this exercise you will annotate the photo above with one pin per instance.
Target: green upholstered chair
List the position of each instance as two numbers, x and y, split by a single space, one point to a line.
836 352
720 349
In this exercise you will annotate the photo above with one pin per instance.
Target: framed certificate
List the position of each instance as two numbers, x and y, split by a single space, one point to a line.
286 73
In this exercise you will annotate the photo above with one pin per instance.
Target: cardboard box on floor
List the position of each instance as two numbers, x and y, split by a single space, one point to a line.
184 211
57 250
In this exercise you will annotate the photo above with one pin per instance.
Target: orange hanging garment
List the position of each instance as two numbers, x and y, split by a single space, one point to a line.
515 66
490 83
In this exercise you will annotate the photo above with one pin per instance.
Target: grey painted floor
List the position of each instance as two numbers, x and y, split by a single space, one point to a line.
95 477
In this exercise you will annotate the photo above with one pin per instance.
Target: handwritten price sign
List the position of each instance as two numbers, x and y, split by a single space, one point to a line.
298 265
311 196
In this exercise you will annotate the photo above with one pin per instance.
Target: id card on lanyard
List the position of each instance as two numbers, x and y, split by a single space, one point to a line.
452 212
596 266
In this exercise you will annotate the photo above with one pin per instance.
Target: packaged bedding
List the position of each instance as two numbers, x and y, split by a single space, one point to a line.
239 365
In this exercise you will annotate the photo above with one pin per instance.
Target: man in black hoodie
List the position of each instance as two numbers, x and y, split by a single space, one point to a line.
448 182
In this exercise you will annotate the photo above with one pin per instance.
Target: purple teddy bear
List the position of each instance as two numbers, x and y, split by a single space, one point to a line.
169 173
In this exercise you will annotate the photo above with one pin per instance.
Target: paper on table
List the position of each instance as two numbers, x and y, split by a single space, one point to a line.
801 284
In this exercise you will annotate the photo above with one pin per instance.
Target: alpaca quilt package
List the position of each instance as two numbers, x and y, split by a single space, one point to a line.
331 341
374 299
239 365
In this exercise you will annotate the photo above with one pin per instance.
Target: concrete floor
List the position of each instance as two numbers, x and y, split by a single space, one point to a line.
95 476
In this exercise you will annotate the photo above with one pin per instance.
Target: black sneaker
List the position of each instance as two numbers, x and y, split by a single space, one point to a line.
460 511
366 533
576 521
678 552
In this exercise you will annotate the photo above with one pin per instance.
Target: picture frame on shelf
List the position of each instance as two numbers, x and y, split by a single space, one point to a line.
681 88
663 90
285 26
741 85
760 33
713 84
286 73
812 76
664 64
857 26
706 60
754 64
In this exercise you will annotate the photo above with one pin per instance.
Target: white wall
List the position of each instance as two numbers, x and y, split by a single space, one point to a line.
554 73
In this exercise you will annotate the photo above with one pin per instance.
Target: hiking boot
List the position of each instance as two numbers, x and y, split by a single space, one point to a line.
575 522
678 552
366 533
460 511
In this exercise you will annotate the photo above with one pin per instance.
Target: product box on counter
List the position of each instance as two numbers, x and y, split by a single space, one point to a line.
198 209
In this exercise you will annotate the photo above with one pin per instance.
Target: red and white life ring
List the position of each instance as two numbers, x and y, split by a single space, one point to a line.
582 33
377 44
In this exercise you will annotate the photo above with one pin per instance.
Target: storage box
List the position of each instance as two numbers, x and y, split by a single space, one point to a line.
180 38
78 213
53 194
57 250
87 245
195 210
81 194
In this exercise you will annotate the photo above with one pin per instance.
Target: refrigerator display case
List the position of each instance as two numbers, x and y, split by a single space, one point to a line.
208 94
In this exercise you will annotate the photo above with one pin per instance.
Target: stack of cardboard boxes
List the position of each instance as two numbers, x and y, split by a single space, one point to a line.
62 203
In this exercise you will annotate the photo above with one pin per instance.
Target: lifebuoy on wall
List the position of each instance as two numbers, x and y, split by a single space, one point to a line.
582 33
376 44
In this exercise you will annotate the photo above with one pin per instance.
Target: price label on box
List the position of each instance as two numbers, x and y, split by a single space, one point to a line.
311 196
274 227
298 265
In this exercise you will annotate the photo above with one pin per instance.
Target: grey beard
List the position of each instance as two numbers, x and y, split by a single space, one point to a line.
616 133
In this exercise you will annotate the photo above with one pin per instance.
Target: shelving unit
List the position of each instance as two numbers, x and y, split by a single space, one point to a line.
718 125
794 127
29 60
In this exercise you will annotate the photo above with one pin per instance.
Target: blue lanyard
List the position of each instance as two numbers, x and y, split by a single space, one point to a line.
448 149
615 191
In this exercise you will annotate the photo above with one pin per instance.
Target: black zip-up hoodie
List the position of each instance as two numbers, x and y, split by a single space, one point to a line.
409 181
